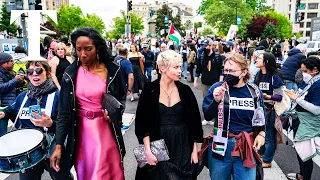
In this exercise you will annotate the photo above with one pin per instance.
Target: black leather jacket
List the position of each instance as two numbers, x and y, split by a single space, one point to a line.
66 125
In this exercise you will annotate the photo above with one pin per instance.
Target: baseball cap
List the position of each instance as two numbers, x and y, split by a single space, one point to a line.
207 42
145 46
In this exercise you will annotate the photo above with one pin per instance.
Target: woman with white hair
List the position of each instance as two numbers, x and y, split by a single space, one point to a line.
168 110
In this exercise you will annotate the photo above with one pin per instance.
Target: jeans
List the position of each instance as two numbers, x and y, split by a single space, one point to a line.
36 172
269 149
185 69
291 85
230 166
148 72
3 126
191 70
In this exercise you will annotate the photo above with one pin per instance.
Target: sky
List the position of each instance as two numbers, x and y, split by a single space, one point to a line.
108 9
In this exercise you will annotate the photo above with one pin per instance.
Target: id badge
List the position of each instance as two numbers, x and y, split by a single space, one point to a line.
258 118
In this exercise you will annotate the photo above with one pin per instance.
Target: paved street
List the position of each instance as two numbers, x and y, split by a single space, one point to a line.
285 159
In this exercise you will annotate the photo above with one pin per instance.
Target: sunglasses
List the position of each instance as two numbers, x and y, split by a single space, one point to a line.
37 70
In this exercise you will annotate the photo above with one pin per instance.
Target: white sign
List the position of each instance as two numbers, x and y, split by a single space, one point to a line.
33 29
295 28
232 32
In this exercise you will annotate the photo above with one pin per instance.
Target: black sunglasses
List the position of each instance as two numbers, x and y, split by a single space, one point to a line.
37 70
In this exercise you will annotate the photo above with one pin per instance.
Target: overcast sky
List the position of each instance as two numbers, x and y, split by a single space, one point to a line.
108 9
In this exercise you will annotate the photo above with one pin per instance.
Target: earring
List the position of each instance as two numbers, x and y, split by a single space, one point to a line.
98 57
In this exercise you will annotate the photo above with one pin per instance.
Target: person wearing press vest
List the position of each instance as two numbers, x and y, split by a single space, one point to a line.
41 91
239 128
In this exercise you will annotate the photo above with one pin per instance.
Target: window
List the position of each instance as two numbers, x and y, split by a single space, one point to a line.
290 7
53 4
311 15
308 24
308 34
319 45
289 16
301 24
302 6
310 44
313 6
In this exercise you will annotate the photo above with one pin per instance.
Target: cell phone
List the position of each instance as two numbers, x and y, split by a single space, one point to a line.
36 109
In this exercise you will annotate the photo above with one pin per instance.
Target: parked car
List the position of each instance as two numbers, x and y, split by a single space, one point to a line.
313 46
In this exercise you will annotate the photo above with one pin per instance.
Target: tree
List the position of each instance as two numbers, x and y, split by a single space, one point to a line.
176 21
270 31
284 27
257 25
119 25
197 25
5 21
51 27
206 31
222 14
69 18
94 21
204 5
188 25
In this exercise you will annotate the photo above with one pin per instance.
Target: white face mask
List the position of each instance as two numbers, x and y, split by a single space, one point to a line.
306 77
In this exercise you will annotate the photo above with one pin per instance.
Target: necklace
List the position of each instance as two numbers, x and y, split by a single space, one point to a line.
168 95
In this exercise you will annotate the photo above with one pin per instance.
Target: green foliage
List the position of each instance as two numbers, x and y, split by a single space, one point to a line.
94 21
270 31
206 31
197 25
284 27
204 5
188 25
222 14
299 35
119 25
69 18
5 21
176 21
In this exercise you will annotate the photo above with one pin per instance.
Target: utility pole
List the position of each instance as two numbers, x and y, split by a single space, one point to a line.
236 12
128 23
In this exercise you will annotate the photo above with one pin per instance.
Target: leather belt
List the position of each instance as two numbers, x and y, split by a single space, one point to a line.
90 114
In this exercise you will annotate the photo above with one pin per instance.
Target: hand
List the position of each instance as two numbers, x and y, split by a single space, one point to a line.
151 159
106 115
266 96
292 95
195 85
128 93
194 157
41 121
259 140
218 92
2 115
55 158
20 77
154 72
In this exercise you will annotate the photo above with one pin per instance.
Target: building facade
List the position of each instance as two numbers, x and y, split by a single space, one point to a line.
307 10
54 4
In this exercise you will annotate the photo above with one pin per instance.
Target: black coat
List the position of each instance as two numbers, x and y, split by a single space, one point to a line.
147 122
66 124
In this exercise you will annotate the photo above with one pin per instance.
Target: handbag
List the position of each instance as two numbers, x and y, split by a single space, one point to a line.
158 149
114 107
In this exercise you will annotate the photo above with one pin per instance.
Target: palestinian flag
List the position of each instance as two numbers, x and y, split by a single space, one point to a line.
174 35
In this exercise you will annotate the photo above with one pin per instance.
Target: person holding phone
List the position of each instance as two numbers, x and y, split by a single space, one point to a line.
41 94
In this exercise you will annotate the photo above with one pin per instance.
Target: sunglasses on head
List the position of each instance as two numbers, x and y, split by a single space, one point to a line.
37 70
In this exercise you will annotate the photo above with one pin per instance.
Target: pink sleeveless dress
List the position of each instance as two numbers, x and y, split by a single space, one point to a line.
97 155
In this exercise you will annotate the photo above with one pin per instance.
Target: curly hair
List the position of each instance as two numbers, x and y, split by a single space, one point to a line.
97 40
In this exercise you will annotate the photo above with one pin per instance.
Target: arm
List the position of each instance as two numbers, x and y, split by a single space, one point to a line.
54 64
308 106
8 86
130 81
209 104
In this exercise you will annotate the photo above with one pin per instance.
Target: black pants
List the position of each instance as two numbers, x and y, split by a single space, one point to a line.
36 172
191 67
305 167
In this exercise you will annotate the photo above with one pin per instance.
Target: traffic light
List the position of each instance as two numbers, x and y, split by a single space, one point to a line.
129 5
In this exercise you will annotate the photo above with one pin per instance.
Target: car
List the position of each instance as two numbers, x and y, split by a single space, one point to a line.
313 46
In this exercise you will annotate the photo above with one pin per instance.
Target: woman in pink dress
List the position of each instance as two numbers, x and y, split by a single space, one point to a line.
95 144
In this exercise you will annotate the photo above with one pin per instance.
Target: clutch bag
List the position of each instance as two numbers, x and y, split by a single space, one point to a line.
158 149
114 108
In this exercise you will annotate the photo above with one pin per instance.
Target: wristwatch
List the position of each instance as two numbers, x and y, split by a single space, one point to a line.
129 90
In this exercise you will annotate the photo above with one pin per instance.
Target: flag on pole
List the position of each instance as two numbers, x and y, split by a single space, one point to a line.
174 35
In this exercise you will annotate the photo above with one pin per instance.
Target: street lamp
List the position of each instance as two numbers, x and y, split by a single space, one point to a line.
232 2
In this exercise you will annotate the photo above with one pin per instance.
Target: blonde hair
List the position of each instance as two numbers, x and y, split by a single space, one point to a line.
167 58
243 63
60 44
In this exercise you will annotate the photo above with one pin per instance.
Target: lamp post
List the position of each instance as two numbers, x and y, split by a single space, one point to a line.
236 3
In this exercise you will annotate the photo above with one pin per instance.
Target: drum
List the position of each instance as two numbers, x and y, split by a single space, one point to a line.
21 149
